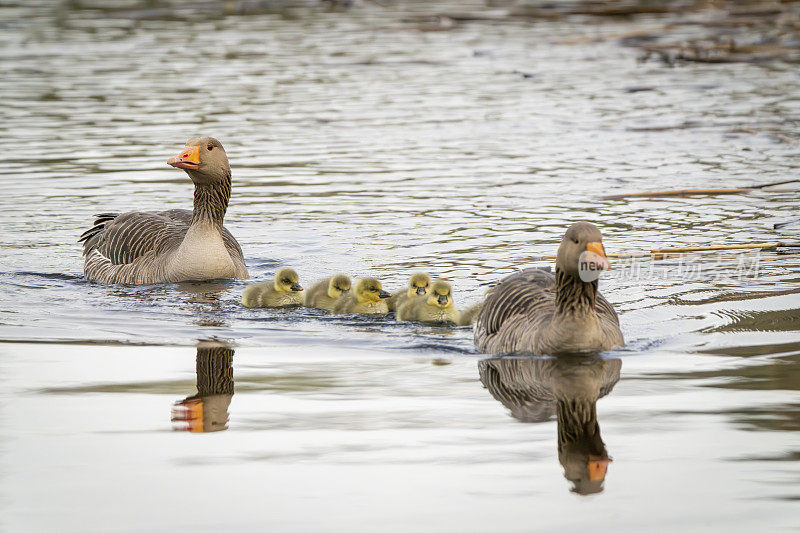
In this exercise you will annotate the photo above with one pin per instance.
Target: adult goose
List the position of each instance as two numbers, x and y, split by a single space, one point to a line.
143 247
533 311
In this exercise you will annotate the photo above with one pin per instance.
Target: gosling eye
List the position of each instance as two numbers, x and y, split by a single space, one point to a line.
210 147
286 280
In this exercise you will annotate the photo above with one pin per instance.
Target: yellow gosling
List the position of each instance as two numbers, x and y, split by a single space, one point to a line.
283 291
435 308
367 298
327 293
417 286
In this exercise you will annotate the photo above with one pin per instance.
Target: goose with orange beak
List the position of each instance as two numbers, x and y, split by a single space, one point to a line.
534 311
144 247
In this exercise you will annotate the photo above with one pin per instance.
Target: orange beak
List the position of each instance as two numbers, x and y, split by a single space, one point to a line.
188 159
191 412
597 469
597 254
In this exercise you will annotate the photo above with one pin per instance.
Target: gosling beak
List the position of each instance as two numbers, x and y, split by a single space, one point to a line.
384 294
420 290
595 253
189 159
345 291
296 287
598 468
442 299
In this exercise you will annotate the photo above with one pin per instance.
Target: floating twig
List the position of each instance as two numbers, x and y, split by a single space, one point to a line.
696 192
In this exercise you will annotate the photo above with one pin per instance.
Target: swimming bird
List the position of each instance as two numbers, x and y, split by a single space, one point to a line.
533 311
326 294
282 291
368 298
434 308
143 247
417 286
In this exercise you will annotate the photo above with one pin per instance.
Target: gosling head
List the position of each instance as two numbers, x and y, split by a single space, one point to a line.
370 290
418 284
205 161
581 253
286 280
441 295
338 285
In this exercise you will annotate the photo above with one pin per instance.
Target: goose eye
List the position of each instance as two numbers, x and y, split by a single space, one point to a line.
575 241
210 147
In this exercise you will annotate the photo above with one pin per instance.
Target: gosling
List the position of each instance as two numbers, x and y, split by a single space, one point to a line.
434 308
369 298
326 294
283 291
417 286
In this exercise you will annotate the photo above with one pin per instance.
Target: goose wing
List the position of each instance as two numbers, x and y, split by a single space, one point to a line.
124 238
524 299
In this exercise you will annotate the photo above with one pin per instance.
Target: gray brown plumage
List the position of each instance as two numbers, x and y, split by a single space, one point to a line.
325 294
534 389
283 291
368 297
142 247
533 311
417 286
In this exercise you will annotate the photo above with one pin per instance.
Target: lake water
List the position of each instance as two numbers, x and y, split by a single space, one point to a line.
365 143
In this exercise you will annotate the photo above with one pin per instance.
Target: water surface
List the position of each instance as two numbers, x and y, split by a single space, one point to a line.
362 142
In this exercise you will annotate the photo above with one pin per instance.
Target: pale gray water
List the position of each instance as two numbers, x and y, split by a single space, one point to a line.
363 144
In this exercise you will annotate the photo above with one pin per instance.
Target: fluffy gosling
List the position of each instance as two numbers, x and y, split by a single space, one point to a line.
435 308
283 291
417 286
367 298
326 294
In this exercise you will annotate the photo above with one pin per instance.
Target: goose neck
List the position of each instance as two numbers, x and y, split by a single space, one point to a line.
574 297
211 202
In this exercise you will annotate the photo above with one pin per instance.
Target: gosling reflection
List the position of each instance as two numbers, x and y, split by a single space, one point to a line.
207 411
534 389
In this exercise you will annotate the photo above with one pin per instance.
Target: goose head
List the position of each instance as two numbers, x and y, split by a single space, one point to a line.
286 280
370 290
441 295
418 284
581 253
338 285
205 161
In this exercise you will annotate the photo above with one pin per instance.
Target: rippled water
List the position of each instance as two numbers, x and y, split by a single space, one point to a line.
362 142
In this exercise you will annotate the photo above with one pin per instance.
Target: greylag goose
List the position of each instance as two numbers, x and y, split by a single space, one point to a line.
535 312
417 286
143 247
283 291
533 389
369 298
326 294
207 410
434 308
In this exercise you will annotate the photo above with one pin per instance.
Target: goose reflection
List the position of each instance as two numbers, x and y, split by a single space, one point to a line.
207 411
534 389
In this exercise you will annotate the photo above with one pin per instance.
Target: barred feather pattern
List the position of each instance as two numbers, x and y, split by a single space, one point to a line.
135 247
533 311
